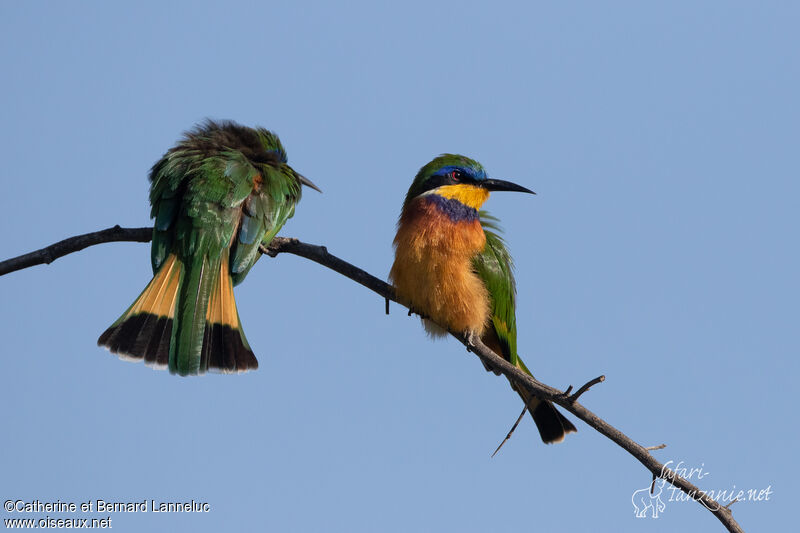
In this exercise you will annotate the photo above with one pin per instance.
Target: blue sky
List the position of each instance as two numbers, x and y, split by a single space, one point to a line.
660 251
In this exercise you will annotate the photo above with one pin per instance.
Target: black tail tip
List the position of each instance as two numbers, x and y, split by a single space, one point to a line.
225 350
140 337
552 425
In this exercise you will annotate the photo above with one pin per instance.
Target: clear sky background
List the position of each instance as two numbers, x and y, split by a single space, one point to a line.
660 251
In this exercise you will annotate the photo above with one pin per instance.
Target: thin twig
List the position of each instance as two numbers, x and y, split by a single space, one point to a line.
586 386
319 254
659 447
511 431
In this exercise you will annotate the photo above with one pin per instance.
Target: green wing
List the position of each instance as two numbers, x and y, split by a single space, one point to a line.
496 268
264 213
196 200
168 176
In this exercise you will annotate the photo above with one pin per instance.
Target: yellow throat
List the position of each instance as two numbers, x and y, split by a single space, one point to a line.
469 195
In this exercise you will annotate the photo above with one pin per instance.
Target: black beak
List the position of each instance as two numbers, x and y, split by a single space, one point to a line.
501 185
307 182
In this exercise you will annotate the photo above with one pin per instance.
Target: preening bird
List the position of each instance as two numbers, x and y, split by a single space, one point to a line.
217 195
452 267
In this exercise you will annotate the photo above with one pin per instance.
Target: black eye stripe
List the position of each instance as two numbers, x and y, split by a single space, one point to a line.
450 178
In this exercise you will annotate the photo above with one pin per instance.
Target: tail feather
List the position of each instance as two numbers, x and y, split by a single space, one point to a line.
166 325
155 336
552 425
225 347
185 357
157 351
140 332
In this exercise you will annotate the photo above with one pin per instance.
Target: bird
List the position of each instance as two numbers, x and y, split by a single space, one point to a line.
453 268
222 191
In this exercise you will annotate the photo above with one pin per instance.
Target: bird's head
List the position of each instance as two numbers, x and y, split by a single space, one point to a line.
272 145
458 177
277 157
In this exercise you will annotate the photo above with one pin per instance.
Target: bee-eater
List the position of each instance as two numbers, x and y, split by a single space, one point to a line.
453 268
218 194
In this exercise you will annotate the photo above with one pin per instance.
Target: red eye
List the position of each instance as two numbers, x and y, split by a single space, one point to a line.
455 175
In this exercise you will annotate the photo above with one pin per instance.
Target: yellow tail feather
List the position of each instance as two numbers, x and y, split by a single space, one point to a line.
144 331
221 303
159 296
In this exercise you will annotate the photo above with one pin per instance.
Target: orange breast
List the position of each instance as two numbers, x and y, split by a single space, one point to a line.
432 269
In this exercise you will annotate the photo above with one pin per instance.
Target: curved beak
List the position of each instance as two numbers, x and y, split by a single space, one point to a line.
502 185
307 182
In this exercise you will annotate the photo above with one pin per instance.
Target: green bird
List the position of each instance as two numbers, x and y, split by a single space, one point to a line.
219 193
452 267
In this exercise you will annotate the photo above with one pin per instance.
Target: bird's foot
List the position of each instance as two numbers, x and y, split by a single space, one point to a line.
472 339
413 311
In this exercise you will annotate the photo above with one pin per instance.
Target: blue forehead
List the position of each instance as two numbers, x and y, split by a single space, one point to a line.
280 153
474 173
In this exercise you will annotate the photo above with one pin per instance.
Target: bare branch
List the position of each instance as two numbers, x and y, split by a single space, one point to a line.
511 431
75 244
319 254
659 447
